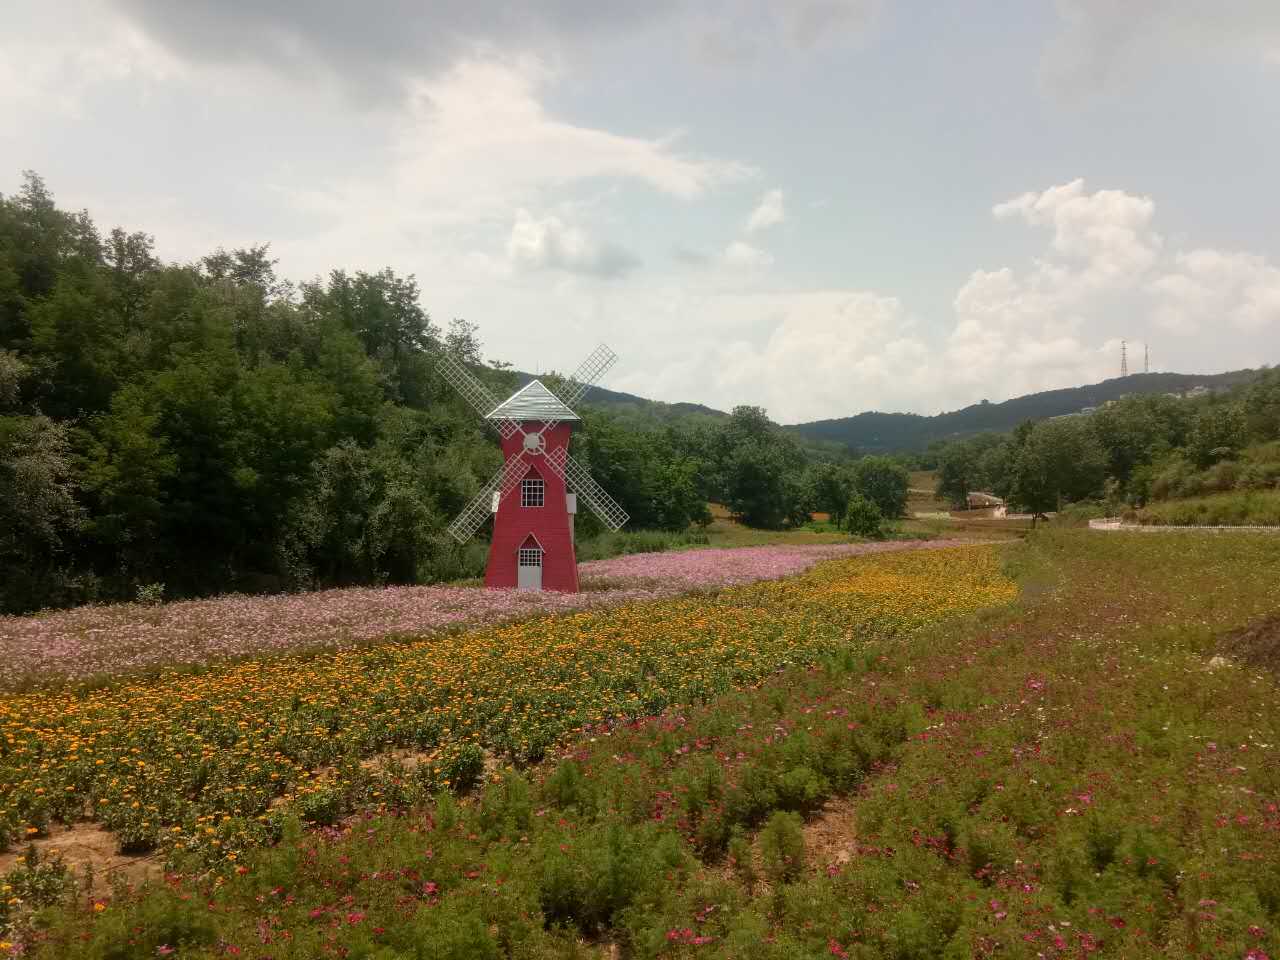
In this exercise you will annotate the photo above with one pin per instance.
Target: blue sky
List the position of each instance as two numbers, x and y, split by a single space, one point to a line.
820 207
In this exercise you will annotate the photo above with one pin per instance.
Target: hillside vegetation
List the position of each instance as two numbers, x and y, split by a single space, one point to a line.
876 432
1136 451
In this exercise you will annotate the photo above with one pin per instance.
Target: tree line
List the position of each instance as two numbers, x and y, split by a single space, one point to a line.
187 429
1130 452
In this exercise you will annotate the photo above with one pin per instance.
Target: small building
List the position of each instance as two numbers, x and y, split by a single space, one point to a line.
978 500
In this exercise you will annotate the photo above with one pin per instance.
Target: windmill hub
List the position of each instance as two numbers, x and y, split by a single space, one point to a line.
535 443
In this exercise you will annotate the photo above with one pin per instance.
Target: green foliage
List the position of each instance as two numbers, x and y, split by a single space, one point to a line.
884 482
967 466
921 438
1241 508
622 542
1059 462
35 882
754 469
40 517
862 517
782 847
830 488
1131 451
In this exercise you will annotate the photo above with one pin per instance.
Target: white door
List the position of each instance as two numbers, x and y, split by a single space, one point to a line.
529 571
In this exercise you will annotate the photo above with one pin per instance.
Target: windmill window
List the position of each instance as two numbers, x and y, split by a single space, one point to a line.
530 556
532 492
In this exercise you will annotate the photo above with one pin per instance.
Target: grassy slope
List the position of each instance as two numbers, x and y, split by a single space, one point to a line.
1067 779
1238 508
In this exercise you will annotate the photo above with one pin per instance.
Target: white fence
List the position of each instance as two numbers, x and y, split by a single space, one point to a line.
1115 523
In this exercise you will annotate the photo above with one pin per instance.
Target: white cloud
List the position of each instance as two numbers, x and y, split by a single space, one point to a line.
769 211
1108 230
473 145
551 243
1206 288
742 255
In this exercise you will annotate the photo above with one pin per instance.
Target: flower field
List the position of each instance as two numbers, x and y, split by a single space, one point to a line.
96 641
1085 773
210 763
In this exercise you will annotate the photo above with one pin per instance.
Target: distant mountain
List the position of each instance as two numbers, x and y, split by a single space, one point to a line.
904 432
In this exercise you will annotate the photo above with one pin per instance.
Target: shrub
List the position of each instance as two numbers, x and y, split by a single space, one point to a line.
565 787
802 790
588 879
36 882
1079 514
751 799
862 517
742 859
506 808
464 766
782 847
1239 508
150 594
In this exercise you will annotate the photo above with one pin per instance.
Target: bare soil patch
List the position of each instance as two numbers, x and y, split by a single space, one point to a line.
830 839
1257 644
90 850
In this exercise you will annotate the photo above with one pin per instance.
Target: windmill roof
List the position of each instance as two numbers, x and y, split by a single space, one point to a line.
533 401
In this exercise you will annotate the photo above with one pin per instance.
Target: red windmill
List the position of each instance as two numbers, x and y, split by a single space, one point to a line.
532 545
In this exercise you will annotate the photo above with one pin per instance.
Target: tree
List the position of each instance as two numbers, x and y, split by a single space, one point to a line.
1262 407
755 484
1218 434
1061 461
127 467
39 514
961 467
862 517
830 487
884 482
12 372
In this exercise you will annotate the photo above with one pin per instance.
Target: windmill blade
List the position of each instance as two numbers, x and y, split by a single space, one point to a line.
604 506
575 474
475 513
473 391
584 378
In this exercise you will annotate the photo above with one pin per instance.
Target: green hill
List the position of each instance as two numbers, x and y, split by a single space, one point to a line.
876 432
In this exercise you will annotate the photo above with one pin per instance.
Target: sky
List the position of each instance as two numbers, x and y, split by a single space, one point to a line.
820 207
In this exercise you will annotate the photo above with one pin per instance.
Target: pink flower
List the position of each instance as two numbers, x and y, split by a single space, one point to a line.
126 638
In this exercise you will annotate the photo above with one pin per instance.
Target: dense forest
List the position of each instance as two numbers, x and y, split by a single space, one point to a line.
184 429
1129 452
